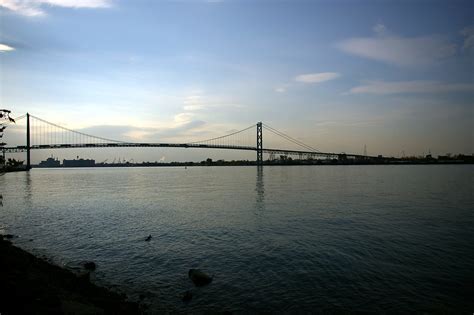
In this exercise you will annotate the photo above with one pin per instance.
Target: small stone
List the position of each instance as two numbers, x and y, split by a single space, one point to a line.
199 278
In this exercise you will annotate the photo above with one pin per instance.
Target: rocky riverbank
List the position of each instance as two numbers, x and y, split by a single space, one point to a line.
30 285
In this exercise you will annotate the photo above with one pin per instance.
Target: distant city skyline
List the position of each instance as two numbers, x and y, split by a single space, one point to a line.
394 76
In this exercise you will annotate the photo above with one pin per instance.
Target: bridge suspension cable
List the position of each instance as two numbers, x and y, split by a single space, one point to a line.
237 138
8 122
291 139
42 134
45 132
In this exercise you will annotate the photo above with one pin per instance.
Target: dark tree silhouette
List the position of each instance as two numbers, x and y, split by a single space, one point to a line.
4 119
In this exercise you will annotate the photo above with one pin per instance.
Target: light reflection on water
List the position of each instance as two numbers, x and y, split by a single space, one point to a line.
363 238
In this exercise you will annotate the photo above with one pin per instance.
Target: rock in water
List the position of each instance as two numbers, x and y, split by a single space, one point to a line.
198 277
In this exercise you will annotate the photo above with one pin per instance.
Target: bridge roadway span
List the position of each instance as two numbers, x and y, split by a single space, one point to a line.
180 145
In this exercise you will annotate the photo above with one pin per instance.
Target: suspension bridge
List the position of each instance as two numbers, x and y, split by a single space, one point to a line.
43 135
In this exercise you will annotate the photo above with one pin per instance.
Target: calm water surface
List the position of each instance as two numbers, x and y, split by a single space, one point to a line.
316 238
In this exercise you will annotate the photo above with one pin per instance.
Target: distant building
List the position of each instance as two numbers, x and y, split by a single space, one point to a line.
50 162
78 163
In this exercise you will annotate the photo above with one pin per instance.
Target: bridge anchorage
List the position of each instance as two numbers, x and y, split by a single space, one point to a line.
42 135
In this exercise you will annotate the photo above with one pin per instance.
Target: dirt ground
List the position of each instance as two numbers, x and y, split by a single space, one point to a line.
29 285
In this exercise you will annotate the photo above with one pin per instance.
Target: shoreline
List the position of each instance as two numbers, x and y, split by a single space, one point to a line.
29 284
250 165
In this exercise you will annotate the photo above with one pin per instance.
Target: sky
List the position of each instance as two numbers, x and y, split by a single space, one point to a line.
394 76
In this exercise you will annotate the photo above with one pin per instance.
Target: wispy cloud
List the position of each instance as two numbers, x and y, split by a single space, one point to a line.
183 118
307 78
193 102
36 7
4 48
182 127
398 50
379 29
78 3
420 86
468 33
316 77
198 101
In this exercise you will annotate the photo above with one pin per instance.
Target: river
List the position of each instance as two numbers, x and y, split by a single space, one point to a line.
292 238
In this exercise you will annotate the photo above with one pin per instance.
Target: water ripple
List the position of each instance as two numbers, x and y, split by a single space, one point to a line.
289 239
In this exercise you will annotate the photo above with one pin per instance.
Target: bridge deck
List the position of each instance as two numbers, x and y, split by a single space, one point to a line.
179 145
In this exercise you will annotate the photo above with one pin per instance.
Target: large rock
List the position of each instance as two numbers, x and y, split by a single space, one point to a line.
199 278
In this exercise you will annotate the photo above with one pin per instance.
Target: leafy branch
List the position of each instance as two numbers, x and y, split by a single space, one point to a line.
4 119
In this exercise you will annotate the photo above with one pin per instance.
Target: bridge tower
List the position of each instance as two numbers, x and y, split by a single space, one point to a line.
259 144
28 144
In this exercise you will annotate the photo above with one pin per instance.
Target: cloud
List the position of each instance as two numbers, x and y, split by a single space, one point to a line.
403 51
379 29
199 101
307 78
35 7
27 8
146 134
78 3
420 86
193 103
183 118
468 33
4 48
316 77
